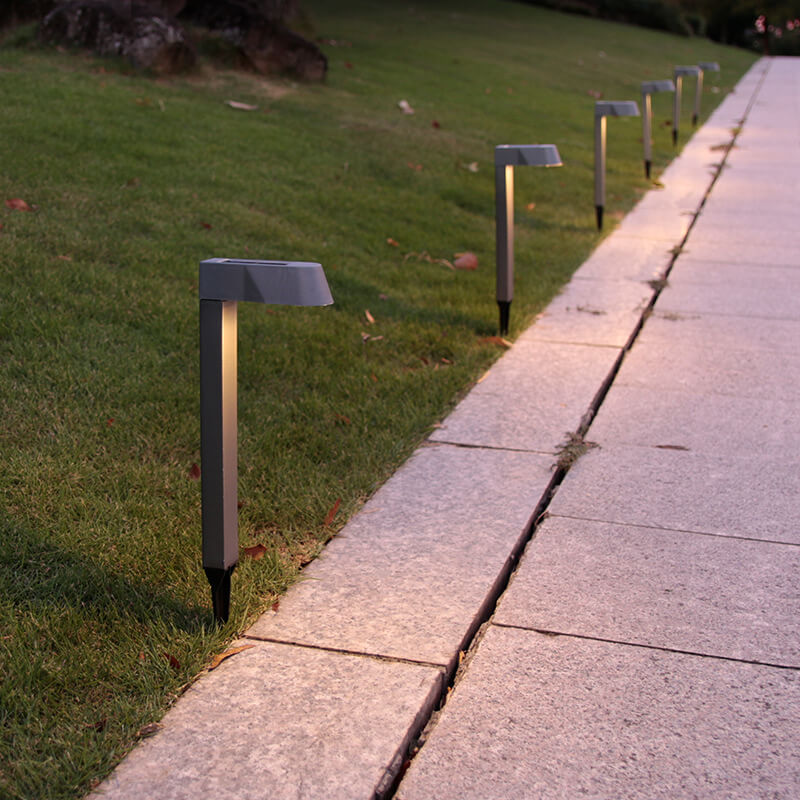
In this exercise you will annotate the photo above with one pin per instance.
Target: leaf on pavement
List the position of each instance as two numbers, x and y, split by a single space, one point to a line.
218 659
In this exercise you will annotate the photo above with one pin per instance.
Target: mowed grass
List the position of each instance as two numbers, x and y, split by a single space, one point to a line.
104 608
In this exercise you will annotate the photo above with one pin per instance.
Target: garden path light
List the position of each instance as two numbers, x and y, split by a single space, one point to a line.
223 283
649 88
506 157
679 74
603 109
704 66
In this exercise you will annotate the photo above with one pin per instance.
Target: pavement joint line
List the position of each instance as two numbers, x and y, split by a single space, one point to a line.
642 646
469 446
674 530
341 651
471 642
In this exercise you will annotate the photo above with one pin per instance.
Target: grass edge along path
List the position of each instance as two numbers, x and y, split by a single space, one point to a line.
131 181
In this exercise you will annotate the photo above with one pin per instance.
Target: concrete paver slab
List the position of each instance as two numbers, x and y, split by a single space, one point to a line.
754 496
700 248
723 275
739 300
712 595
284 723
625 258
531 398
658 417
409 575
559 717
728 228
595 312
698 367
719 333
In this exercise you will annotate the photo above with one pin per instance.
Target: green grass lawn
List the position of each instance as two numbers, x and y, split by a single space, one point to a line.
104 608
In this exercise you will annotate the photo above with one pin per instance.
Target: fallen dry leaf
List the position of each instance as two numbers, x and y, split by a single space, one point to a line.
18 204
342 418
404 106
64 258
206 225
329 517
595 93
255 552
173 662
194 472
240 106
149 729
498 340
416 167
218 659
465 261
392 242
471 167
435 124
530 206
348 65
369 317
426 256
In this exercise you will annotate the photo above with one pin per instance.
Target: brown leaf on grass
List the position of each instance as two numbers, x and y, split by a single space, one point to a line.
194 472
405 107
392 242
18 204
149 729
98 726
275 606
369 317
342 418
64 258
595 93
235 104
206 225
472 166
530 206
498 340
348 65
334 510
220 657
435 124
415 167
173 662
256 552
466 261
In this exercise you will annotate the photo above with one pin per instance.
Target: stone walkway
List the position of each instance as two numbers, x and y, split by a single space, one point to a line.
648 643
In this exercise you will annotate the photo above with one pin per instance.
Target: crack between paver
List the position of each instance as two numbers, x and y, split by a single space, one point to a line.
675 530
470 446
482 621
344 652
644 646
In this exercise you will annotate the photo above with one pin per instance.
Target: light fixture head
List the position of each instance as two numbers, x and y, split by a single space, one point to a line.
684 71
288 283
709 66
651 87
526 155
616 108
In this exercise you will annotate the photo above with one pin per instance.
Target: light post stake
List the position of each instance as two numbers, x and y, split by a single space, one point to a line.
223 283
603 109
703 66
506 157
649 88
678 75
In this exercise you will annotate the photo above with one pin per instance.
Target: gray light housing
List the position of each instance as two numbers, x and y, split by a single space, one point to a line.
289 283
651 87
616 108
527 155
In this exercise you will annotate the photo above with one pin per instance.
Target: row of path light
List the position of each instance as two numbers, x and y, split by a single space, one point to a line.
224 282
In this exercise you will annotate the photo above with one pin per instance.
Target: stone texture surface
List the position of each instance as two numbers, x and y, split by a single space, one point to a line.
730 427
558 717
712 595
624 258
736 251
752 496
411 572
283 723
595 312
697 366
530 399
717 333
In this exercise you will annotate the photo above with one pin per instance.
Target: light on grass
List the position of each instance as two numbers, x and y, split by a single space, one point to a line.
649 88
603 109
223 283
679 74
506 157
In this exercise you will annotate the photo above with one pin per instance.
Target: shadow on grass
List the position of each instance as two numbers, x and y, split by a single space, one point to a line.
35 573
